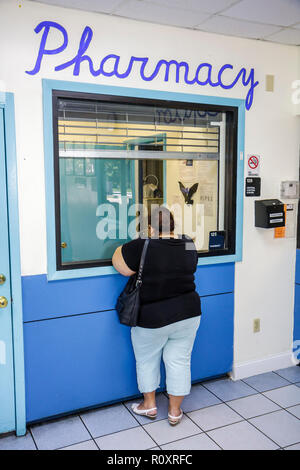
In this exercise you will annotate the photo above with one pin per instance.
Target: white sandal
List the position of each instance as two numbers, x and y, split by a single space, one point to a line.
135 409
173 420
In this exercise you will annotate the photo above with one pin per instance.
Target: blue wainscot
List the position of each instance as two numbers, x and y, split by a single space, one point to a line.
297 301
77 354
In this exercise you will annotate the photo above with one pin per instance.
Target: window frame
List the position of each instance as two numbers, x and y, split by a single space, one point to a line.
53 90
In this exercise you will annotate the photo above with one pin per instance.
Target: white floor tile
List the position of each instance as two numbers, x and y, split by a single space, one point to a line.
281 427
255 405
214 417
59 433
295 410
162 432
285 396
87 445
17 443
199 442
241 436
294 447
109 419
131 439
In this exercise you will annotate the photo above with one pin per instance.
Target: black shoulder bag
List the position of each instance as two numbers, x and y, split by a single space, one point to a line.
128 303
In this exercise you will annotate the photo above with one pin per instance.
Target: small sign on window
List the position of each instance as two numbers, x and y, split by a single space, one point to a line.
217 240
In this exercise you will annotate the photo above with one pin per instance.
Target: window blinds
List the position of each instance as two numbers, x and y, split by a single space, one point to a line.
105 129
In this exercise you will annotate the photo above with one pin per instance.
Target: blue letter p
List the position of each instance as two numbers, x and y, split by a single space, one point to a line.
42 51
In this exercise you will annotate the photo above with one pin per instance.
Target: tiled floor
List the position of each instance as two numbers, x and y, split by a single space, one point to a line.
260 412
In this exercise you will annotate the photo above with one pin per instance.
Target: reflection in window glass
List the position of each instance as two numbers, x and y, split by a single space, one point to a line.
85 185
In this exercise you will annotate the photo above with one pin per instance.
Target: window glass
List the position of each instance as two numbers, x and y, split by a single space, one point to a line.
86 186
115 158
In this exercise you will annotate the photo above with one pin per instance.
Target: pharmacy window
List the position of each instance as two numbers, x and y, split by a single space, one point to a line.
115 158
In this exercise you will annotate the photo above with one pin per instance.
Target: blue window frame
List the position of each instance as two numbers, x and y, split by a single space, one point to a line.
52 87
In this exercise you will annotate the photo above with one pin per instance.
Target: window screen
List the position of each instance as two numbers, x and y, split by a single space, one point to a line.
117 157
120 127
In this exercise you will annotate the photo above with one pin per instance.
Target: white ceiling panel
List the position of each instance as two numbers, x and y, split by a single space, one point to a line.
257 19
233 27
207 6
103 6
286 36
147 11
276 12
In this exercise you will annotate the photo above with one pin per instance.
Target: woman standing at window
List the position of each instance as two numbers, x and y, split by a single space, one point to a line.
169 315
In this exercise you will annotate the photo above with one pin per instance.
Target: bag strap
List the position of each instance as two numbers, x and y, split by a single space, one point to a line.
142 262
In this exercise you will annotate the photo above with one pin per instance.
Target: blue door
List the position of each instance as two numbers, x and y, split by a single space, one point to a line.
7 404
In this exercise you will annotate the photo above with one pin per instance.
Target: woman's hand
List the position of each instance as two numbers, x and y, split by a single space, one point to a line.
119 263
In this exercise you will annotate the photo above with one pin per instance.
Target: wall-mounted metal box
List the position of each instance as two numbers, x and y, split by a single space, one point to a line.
269 213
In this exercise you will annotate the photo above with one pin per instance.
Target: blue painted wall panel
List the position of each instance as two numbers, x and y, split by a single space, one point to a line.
43 299
77 362
213 348
87 360
297 267
215 279
297 299
297 314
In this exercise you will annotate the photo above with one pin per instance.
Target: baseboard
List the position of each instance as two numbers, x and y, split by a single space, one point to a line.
260 366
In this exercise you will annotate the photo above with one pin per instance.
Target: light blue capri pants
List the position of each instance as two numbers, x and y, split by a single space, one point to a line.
175 343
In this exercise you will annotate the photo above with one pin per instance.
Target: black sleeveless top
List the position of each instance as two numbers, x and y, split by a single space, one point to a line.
168 291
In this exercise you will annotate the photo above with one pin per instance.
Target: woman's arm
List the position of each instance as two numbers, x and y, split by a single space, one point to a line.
119 263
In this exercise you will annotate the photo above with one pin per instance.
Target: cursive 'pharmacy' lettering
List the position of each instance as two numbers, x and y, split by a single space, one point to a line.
110 66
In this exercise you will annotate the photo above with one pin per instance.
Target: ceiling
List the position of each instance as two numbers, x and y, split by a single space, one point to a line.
269 20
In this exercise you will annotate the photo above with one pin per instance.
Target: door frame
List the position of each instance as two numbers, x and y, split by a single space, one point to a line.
7 104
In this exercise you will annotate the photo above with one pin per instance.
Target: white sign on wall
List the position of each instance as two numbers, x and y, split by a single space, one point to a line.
291 221
253 165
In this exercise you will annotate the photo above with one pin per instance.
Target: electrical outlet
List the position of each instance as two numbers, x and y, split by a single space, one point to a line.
256 325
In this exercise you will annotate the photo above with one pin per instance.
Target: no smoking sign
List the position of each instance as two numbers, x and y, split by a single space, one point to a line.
253 165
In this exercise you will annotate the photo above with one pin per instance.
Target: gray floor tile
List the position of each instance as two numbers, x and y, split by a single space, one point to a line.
131 439
294 447
109 419
87 445
17 443
295 410
162 408
227 389
162 432
267 381
280 426
60 433
199 442
214 417
292 374
255 405
285 396
241 436
198 398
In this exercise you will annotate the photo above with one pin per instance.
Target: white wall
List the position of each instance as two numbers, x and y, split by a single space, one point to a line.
265 277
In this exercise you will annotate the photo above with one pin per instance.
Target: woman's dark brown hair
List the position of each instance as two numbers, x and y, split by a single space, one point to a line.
161 220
